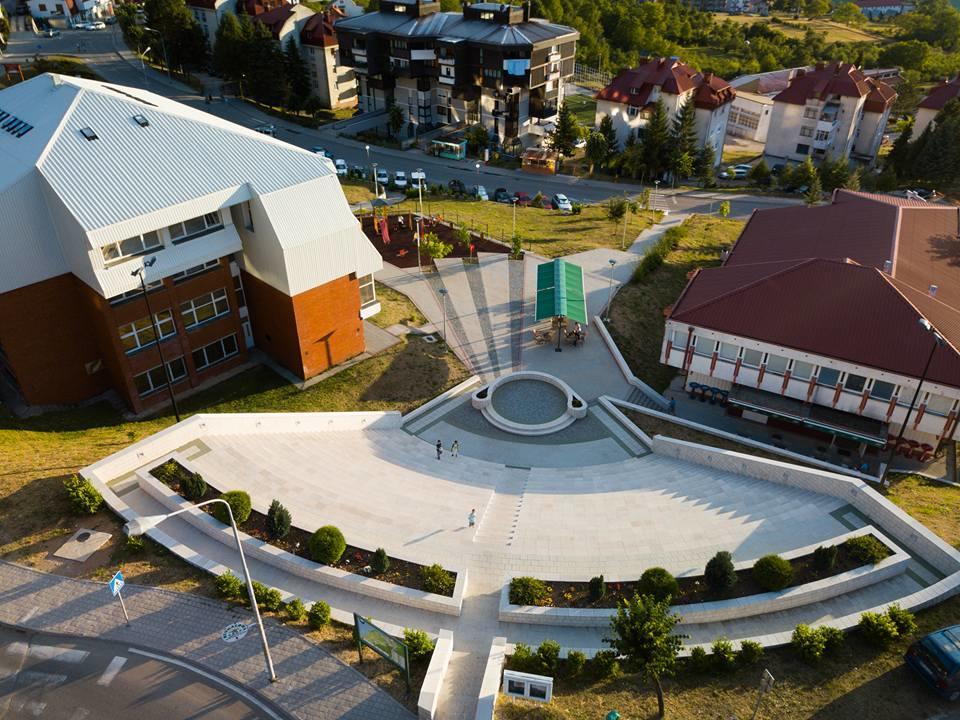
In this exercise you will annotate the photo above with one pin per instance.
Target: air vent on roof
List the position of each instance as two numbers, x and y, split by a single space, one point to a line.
933 290
141 121
88 133
13 125
888 266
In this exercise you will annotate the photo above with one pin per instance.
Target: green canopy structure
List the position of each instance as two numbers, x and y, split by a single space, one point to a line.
560 291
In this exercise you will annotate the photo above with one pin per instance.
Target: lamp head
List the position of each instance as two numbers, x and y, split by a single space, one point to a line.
140 525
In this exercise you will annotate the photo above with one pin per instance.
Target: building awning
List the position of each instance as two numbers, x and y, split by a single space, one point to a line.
560 291
817 417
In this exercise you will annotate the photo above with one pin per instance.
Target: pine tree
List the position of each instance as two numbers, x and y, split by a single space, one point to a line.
266 70
297 75
656 142
606 129
229 51
566 132
814 191
683 134
704 166
900 152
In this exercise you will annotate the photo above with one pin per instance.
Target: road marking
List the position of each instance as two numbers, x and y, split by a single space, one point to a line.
111 672
48 652
34 677
213 678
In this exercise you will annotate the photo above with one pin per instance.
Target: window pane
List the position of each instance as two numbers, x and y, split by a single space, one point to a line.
828 376
679 339
194 225
703 346
177 369
802 370
939 405
214 352
752 358
855 383
177 231
212 219
165 324
205 311
151 239
729 351
143 383
131 246
110 252
230 344
881 390
156 376
776 364
199 359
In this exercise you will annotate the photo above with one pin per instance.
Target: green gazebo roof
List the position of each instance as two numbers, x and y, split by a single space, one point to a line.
560 291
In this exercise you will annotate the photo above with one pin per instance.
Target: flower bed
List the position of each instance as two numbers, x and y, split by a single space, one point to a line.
296 542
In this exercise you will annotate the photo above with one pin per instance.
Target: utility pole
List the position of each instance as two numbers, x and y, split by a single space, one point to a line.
140 272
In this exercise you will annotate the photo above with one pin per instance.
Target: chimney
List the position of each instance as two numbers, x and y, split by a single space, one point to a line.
526 11
801 72
820 65
933 291
888 266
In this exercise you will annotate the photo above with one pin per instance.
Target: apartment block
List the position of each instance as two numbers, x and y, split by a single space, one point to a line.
490 64
242 241
933 103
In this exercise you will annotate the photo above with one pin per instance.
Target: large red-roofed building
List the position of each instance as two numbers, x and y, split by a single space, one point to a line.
933 103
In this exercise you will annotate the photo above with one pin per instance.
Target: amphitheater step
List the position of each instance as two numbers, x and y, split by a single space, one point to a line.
498 524
620 433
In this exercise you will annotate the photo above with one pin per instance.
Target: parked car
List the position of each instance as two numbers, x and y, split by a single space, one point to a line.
418 178
320 150
358 171
479 192
502 196
270 130
936 659
561 202
521 198
383 177
580 142
84 25
457 187
96 25
400 179
341 167
732 173
51 33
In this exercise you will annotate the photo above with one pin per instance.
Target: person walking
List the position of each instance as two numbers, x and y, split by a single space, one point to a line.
472 518
577 335
455 449
439 449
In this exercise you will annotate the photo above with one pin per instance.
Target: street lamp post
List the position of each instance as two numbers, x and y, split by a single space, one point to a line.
937 341
656 190
514 218
144 523
143 68
443 302
376 187
626 211
367 148
139 273
163 45
477 166
613 264
420 177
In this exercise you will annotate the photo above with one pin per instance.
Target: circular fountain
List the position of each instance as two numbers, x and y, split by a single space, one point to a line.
529 403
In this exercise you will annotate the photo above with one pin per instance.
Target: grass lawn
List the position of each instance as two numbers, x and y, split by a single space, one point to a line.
736 156
934 504
396 308
584 108
356 191
546 232
60 64
637 319
835 32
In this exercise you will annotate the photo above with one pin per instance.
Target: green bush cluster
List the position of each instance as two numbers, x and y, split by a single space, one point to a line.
597 588
267 598
326 545
166 472
193 487
84 498
604 665
229 586
724 656
866 549
884 628
812 643
239 503
437 580
419 645
699 660
318 615
772 572
750 652
294 610
825 558
135 544
278 520
380 562
720 574
903 619
655 256
529 591
574 664
658 583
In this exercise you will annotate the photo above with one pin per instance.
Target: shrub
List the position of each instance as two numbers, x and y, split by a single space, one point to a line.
659 583
699 660
719 573
380 562
419 645
597 588
772 572
437 580
84 498
832 637
229 585
903 619
824 558
319 615
529 591
866 548
548 655
878 628
537 200
135 544
327 545
294 610
605 665
750 652
267 598
523 658
239 503
278 520
435 248
724 656
576 208
193 487
574 663
809 643
516 247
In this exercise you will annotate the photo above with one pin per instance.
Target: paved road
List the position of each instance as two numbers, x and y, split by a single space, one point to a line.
106 53
59 678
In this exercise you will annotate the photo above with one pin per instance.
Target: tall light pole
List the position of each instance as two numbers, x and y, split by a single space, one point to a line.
144 523
656 190
420 176
514 218
626 211
143 67
367 148
163 45
376 187
139 273
937 341
613 264
443 302
477 166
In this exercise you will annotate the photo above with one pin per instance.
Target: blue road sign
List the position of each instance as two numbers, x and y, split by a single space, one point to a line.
116 583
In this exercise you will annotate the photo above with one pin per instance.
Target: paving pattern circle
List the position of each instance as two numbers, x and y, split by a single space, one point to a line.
529 402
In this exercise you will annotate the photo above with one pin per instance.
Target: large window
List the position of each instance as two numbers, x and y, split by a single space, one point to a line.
136 292
802 370
206 307
776 364
153 380
238 289
215 352
678 339
882 390
195 227
136 335
828 376
855 383
729 351
368 293
703 346
752 358
130 247
195 270
939 404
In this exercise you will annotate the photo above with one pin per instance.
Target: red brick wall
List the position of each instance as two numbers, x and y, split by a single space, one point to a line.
310 332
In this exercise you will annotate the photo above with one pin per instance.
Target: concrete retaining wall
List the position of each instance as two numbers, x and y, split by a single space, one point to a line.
628 375
433 682
490 686
440 399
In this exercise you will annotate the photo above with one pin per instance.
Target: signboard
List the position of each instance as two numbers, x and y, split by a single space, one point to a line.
384 645
234 631
116 583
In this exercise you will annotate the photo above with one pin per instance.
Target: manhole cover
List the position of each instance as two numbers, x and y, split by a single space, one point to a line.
429 338
83 536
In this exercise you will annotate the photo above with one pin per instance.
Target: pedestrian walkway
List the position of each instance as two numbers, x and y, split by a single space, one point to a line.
312 684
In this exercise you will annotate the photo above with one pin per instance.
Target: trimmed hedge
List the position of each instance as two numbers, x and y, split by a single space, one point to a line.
866 549
229 585
437 580
419 645
239 503
658 583
655 256
319 615
193 487
326 545
772 572
529 591
720 574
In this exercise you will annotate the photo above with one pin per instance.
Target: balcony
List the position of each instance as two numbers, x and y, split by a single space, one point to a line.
446 79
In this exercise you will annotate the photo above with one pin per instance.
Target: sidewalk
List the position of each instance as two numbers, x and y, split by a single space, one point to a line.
312 685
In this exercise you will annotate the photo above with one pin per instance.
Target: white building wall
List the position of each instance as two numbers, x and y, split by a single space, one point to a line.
784 134
745 106
925 116
712 129
870 134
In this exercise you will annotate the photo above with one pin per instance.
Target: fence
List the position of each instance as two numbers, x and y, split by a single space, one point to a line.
590 76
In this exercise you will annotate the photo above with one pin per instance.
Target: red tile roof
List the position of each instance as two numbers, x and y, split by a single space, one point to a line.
276 18
881 96
842 79
813 279
255 8
941 94
634 87
318 30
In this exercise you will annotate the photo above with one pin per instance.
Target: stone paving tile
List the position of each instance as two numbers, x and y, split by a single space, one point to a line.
312 685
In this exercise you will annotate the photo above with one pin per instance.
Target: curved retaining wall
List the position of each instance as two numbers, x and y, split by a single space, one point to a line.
576 408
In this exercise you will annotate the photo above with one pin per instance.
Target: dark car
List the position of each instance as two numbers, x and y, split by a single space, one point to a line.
501 195
936 659
457 187
521 198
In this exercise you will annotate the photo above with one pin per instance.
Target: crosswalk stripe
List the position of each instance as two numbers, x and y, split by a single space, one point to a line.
48 652
112 670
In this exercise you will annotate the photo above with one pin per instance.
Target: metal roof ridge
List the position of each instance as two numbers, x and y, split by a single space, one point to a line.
58 130
892 284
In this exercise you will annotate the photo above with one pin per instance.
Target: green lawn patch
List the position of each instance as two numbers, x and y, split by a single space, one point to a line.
583 107
396 309
356 192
